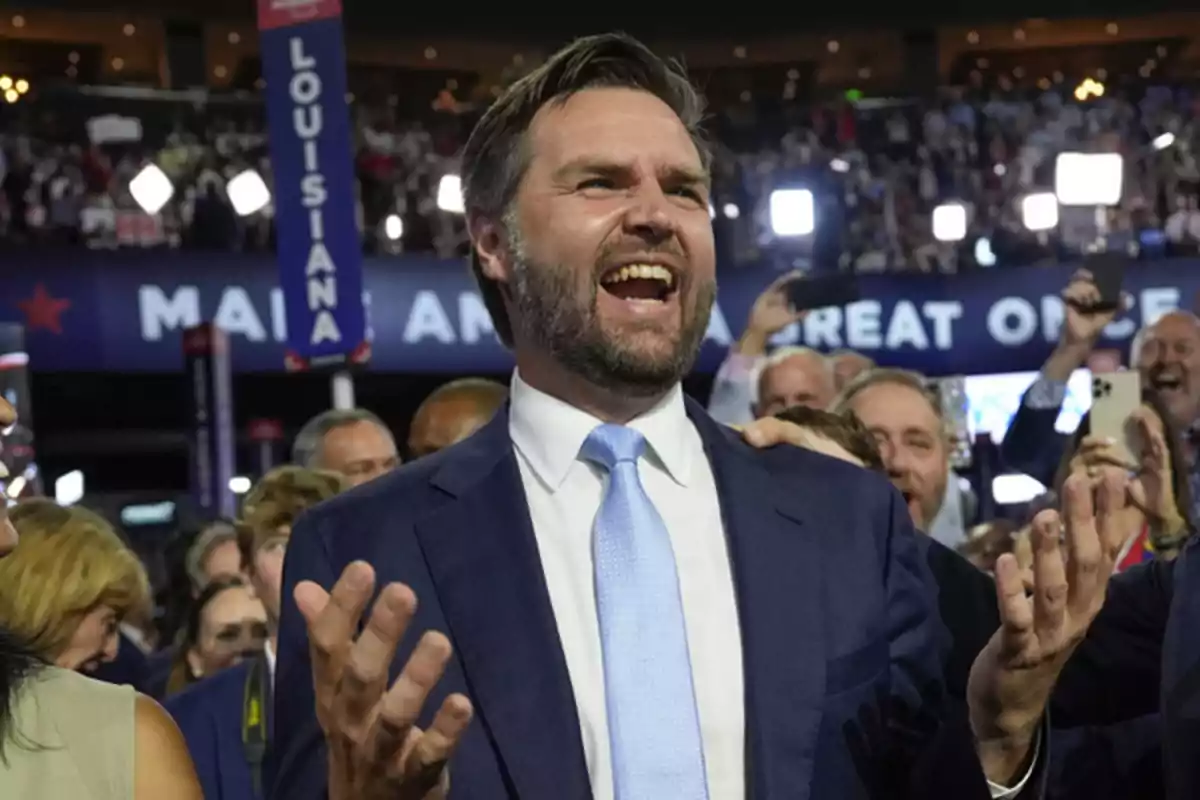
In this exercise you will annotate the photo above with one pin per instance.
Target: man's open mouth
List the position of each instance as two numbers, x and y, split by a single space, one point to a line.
640 282
1166 382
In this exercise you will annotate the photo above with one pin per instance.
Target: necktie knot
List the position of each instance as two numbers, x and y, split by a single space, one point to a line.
609 445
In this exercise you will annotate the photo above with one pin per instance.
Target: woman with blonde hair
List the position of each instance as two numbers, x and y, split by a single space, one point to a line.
69 585
63 735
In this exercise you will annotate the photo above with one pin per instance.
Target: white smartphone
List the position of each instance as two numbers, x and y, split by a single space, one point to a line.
1115 396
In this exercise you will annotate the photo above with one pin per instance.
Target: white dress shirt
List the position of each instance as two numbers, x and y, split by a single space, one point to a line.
564 494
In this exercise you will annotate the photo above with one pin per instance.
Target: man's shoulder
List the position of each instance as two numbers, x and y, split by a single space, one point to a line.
410 488
388 505
789 462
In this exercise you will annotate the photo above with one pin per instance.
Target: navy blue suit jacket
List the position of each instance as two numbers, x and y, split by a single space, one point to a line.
1032 445
1140 661
842 643
209 714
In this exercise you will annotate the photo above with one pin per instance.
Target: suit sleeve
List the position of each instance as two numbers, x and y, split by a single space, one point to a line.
296 759
1115 675
1032 445
930 740
200 734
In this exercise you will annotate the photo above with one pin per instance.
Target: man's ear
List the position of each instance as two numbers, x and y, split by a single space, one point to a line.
491 245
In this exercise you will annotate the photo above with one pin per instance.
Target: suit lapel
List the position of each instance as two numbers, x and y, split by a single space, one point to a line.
776 563
484 561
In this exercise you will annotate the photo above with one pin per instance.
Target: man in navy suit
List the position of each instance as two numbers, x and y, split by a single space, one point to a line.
784 643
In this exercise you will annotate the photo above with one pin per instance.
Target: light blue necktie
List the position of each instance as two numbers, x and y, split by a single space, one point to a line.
653 724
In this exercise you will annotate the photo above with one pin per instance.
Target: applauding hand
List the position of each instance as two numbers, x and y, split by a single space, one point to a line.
376 752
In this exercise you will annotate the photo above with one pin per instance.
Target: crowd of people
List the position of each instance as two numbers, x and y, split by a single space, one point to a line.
877 167
623 593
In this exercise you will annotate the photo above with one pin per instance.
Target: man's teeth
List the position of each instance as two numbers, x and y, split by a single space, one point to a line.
652 272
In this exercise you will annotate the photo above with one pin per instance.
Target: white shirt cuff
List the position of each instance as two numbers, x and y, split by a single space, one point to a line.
1001 793
1045 394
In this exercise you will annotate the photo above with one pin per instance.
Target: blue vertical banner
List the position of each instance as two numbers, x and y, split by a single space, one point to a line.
206 355
319 244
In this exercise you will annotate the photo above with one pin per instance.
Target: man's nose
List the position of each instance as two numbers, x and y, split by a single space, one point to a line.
649 217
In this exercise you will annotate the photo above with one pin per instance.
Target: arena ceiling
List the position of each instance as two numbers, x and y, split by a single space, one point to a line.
753 16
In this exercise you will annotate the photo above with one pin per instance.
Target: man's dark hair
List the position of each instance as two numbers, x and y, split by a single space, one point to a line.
496 155
844 429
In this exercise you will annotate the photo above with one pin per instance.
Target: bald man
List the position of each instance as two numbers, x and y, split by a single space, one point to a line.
452 413
1167 358
794 376
1169 361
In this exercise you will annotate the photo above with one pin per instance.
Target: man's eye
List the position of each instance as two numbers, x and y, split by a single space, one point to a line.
596 183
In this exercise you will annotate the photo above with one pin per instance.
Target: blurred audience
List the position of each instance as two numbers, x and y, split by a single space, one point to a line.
909 429
1160 498
353 442
987 541
452 413
877 167
213 554
794 376
225 718
226 624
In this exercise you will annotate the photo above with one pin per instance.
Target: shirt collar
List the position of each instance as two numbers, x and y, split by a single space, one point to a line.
549 433
269 652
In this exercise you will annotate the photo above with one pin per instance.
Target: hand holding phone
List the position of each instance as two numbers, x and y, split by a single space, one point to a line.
1092 300
822 291
1115 397
1106 273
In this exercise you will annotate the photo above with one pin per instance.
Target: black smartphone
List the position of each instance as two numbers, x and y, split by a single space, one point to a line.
1108 273
822 291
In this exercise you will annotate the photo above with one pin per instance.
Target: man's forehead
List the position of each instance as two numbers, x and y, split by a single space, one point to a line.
1175 326
889 400
615 127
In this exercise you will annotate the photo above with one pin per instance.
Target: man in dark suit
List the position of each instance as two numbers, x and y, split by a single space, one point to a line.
1108 735
640 604
226 723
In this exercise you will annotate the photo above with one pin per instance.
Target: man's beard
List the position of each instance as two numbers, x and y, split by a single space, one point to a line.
550 315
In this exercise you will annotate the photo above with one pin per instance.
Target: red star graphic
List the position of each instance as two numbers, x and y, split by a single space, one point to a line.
43 310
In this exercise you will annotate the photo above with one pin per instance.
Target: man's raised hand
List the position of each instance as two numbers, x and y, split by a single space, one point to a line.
375 750
1074 553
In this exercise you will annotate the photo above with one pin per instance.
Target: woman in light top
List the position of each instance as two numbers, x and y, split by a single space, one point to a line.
64 735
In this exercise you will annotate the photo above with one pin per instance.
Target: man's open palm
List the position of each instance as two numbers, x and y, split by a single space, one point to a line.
1074 553
376 752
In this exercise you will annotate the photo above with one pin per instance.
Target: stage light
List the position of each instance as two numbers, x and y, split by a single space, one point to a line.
1039 211
792 212
393 227
1088 179
449 194
950 222
151 189
248 193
